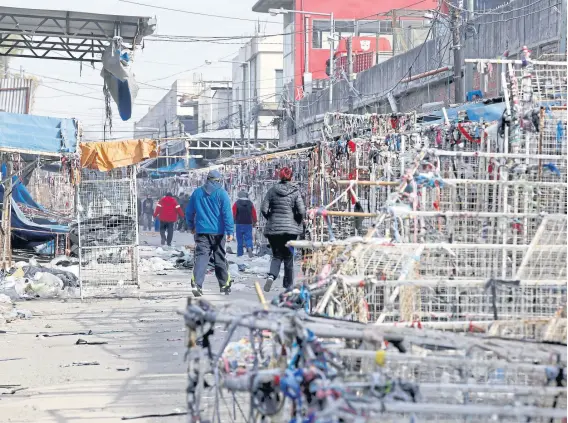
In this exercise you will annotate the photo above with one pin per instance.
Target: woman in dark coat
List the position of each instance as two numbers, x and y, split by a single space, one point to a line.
284 211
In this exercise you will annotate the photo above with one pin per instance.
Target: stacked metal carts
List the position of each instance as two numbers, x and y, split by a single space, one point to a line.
107 230
472 232
298 368
106 233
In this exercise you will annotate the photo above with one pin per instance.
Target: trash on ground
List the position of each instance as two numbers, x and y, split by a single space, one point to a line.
83 342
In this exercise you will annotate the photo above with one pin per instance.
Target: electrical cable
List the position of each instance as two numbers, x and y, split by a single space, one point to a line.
194 13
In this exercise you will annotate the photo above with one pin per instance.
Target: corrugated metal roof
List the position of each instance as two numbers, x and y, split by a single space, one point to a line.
16 95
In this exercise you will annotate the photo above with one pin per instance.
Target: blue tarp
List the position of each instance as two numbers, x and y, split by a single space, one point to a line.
30 230
38 133
475 112
177 167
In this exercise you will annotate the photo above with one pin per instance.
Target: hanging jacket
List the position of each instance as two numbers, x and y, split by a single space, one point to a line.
209 210
168 210
283 209
244 212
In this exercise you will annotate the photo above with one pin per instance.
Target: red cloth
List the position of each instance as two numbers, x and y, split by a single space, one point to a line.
352 146
168 210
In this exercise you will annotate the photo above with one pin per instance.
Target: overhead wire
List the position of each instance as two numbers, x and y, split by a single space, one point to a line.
236 18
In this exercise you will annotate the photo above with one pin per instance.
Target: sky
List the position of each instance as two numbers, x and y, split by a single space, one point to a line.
157 62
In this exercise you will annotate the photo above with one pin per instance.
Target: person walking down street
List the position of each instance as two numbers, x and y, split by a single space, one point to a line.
245 217
284 210
182 224
210 219
147 211
168 210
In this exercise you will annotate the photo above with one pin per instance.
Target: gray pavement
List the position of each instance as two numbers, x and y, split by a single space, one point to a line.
141 368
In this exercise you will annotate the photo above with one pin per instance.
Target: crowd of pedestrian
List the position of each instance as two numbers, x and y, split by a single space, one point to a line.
213 221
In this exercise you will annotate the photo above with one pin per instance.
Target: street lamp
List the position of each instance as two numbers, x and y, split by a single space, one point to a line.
247 64
281 11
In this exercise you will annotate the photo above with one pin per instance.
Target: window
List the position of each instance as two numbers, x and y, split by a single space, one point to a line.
321 32
372 28
278 81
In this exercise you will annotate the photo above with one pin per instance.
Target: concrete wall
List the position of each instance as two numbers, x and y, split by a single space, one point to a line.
264 56
522 22
166 111
215 106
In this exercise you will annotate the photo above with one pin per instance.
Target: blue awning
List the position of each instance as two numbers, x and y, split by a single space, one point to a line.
39 134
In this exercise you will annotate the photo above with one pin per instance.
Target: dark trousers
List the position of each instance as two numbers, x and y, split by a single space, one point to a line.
147 221
244 237
209 247
281 253
169 228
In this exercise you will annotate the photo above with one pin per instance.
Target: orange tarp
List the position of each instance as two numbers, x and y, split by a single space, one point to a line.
105 156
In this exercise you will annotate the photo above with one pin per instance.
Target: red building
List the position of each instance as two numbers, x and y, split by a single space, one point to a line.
306 45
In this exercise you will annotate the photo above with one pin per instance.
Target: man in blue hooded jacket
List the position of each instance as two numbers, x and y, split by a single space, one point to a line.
210 219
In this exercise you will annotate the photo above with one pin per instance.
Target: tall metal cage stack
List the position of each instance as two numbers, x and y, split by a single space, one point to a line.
107 230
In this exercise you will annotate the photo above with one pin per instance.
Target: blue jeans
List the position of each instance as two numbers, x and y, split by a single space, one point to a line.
244 238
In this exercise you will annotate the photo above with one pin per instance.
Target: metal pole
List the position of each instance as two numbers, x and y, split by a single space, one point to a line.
7 215
563 28
242 129
350 72
377 41
455 25
249 108
331 60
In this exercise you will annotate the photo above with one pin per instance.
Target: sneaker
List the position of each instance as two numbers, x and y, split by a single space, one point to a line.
249 252
226 290
197 292
268 283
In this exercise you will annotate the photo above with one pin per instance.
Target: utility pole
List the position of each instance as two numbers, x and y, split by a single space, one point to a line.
395 33
377 40
331 59
167 147
242 129
455 26
255 121
563 11
349 42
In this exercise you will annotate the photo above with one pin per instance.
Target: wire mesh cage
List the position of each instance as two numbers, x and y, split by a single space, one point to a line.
292 366
446 223
107 229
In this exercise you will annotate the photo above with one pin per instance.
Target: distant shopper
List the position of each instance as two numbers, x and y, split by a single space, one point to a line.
147 211
245 217
182 223
284 210
210 219
168 211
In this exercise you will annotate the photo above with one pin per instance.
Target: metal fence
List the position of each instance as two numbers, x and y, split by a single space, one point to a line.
107 230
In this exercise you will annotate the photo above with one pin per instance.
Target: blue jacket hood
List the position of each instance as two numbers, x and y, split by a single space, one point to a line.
210 187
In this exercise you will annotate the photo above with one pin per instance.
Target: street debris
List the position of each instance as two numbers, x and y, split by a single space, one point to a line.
10 390
59 278
148 416
49 335
83 342
83 363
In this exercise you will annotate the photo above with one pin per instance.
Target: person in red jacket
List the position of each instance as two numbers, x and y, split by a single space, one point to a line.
168 210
